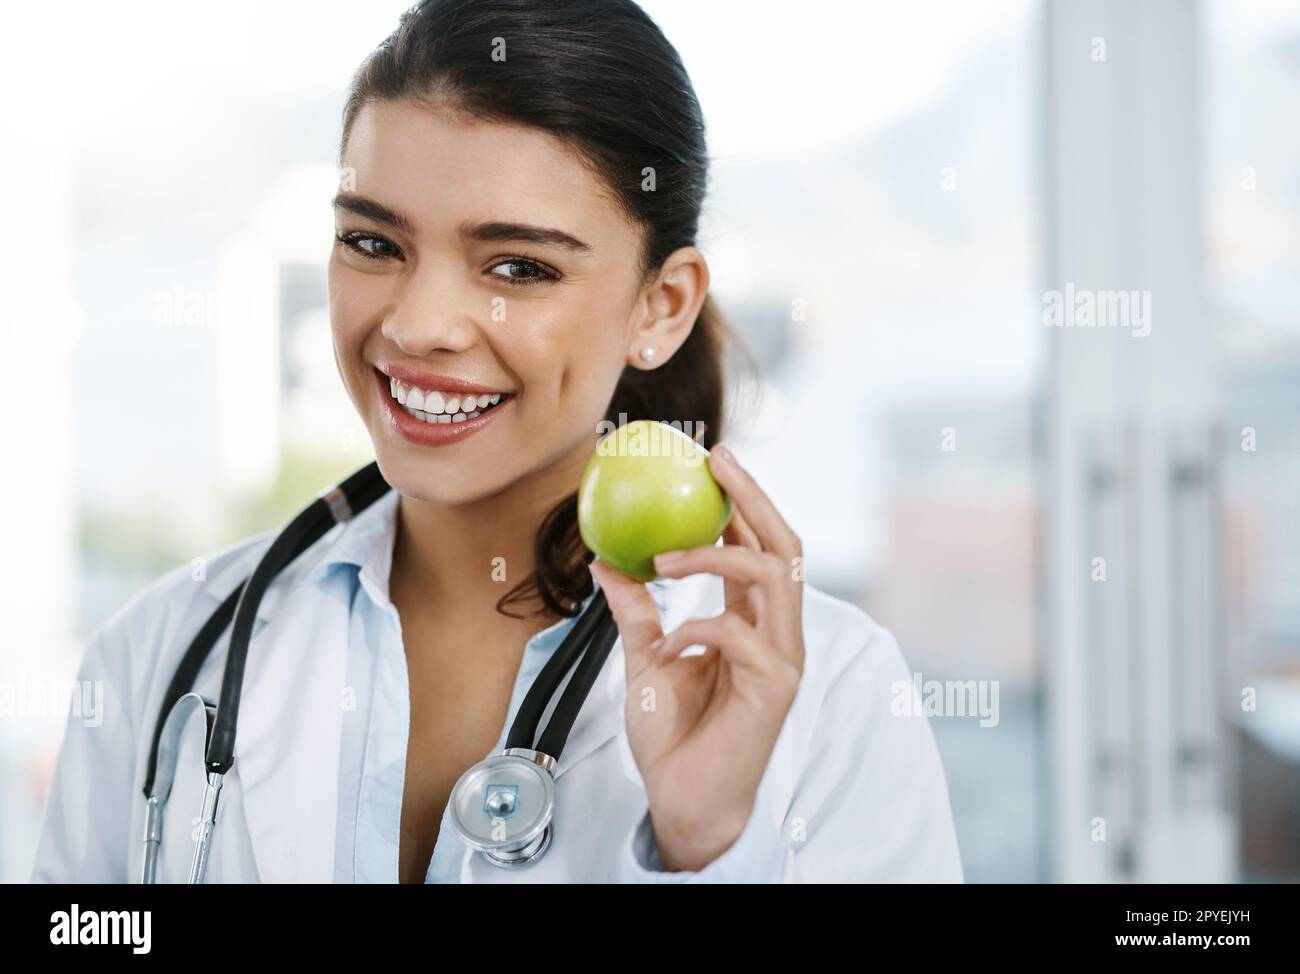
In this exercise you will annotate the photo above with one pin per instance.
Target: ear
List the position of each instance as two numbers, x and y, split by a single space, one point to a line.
668 308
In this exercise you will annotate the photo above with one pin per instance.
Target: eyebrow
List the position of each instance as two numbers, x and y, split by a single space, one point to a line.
494 231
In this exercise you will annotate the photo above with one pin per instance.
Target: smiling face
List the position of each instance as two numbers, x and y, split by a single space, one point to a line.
489 254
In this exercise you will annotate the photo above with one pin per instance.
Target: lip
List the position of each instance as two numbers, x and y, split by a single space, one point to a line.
428 382
433 434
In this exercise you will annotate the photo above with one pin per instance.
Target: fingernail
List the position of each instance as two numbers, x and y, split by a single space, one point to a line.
725 455
655 646
665 558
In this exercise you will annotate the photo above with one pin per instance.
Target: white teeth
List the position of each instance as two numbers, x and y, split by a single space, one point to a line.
427 417
436 407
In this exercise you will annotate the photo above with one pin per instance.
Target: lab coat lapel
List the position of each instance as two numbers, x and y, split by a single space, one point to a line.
287 745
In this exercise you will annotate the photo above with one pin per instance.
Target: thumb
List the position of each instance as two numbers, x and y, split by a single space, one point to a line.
635 612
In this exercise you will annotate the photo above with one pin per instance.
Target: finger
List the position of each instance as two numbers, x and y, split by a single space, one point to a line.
739 532
769 527
730 561
771 584
635 612
741 645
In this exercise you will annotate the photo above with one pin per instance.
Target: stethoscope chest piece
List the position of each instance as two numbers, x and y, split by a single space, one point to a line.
503 806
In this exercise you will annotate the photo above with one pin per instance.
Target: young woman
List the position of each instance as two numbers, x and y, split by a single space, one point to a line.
515 263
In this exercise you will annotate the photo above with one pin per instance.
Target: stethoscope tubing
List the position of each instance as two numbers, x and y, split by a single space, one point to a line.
351 497
575 694
523 731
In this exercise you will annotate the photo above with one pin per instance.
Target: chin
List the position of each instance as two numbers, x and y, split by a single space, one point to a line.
440 483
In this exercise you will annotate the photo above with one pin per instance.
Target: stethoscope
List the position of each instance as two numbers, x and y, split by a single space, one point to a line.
501 807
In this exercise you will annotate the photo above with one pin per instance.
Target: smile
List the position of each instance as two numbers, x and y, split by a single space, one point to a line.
428 416
433 406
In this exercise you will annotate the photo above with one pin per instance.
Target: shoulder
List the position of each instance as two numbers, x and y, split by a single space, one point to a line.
862 759
842 641
854 670
145 631
155 626
852 663
206 580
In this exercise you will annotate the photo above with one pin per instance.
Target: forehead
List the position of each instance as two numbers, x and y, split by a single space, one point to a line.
439 168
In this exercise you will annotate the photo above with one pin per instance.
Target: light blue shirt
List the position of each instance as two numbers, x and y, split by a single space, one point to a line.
377 717
372 768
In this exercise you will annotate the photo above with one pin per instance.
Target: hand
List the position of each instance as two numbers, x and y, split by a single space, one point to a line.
702 727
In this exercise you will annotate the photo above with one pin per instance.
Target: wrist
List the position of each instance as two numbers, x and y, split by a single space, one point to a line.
689 846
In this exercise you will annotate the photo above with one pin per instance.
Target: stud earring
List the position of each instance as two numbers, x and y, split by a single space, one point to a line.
648 353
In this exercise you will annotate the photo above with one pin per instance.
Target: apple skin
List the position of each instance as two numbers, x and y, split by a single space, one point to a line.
647 489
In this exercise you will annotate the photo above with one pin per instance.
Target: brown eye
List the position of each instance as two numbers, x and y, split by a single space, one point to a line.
523 272
369 246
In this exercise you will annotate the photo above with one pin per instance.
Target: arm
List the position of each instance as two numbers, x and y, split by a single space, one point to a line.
84 838
873 803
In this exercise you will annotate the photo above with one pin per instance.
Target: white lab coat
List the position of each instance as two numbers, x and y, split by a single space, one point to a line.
854 790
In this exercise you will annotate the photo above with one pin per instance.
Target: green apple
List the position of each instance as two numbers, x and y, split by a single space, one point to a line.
647 488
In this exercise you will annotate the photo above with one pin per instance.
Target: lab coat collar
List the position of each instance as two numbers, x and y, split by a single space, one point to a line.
366 541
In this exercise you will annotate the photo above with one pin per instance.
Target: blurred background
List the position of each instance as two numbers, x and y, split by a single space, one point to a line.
1101 523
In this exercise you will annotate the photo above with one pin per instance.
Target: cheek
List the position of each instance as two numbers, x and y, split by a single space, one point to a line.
352 307
572 364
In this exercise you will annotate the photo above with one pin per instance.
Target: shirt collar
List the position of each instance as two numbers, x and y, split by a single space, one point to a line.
367 541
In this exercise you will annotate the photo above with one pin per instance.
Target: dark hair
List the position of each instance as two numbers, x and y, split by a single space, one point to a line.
600 75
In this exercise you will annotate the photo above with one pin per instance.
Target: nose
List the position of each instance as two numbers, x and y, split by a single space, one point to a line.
432 313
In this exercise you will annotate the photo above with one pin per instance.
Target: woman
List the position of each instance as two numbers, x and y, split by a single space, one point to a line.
515 263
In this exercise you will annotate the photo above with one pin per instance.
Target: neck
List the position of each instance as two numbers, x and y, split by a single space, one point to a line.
462 560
